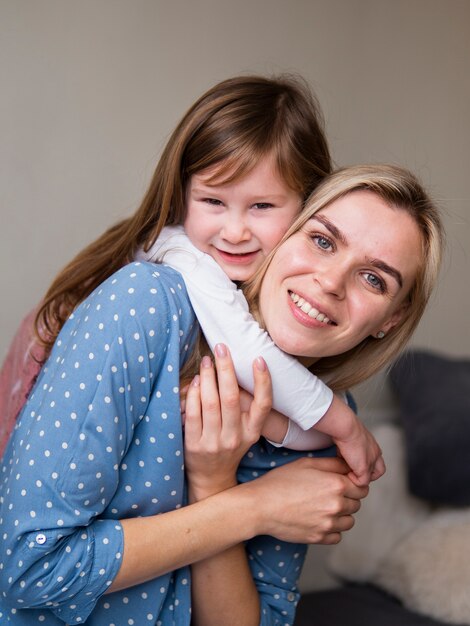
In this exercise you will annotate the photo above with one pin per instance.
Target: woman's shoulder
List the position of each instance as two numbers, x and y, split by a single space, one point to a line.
138 294
150 281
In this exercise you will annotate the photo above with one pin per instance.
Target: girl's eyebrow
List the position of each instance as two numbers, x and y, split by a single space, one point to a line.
381 265
206 189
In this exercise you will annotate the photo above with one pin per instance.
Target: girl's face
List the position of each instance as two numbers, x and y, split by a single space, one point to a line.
344 276
239 223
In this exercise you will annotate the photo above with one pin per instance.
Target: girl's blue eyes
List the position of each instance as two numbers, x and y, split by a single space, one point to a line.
262 205
213 201
258 205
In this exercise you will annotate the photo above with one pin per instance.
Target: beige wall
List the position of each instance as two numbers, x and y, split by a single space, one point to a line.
91 89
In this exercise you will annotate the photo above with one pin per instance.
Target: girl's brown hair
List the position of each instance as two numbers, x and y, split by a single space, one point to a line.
233 125
401 190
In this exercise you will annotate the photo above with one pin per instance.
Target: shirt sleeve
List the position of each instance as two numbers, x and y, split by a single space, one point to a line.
224 317
276 567
61 548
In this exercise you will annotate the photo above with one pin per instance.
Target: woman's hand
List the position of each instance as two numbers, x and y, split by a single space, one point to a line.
310 500
218 432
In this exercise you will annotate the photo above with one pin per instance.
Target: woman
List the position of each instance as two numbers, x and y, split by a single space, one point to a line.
366 251
104 512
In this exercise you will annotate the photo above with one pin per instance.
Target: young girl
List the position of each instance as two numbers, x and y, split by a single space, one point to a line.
243 158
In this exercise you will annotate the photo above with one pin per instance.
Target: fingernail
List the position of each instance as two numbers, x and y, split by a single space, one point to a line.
260 364
221 349
196 381
206 361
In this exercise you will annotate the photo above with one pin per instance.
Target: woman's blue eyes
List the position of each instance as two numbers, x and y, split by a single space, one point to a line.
375 282
324 243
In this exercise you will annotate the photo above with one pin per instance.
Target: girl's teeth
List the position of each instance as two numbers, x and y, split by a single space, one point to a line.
307 308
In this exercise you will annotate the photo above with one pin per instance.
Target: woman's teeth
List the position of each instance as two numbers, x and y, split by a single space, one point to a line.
308 308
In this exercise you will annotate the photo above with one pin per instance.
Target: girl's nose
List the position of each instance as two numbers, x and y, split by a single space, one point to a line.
235 230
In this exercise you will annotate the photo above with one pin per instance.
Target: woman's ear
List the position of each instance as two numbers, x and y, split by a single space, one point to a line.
395 319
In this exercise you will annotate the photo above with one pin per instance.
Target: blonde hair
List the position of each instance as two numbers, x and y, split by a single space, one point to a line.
232 125
400 189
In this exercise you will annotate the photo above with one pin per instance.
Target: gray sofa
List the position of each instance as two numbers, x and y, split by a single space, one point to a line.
407 560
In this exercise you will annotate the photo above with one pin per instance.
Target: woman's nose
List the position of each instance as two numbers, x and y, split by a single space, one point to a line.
332 280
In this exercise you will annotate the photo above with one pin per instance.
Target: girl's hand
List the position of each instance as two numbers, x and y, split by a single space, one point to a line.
218 432
355 443
362 453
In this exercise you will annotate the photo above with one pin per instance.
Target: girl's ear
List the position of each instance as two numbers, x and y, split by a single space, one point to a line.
395 319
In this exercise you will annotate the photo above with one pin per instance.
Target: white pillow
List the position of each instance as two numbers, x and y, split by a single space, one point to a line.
429 571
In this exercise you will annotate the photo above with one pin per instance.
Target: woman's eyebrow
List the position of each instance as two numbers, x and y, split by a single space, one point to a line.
385 267
331 227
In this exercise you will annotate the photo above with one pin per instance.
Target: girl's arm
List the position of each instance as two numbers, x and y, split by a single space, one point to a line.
223 315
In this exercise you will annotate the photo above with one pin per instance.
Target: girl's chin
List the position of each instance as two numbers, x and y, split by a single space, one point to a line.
307 361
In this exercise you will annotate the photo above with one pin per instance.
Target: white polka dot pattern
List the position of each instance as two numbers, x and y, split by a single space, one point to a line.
100 439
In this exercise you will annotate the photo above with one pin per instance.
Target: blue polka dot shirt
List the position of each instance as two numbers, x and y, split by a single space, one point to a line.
100 439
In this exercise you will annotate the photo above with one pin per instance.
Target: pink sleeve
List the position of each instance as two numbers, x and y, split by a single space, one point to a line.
18 375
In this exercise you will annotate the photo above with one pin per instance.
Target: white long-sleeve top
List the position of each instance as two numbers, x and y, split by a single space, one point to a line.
223 314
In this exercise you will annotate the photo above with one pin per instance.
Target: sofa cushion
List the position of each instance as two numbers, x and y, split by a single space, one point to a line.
357 605
434 396
429 570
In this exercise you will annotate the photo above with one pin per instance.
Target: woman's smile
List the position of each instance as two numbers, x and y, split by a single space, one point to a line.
303 309
342 277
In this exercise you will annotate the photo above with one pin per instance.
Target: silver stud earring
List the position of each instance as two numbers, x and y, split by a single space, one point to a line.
380 334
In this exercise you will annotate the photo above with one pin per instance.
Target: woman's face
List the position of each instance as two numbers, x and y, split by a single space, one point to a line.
342 277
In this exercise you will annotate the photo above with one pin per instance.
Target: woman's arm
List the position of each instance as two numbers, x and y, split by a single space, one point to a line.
97 441
217 435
